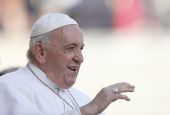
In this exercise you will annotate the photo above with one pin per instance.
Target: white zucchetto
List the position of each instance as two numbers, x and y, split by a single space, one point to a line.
49 22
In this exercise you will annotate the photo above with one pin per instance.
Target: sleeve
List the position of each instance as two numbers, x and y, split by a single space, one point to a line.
12 103
73 112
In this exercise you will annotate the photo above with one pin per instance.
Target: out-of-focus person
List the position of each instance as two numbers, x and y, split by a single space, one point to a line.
92 14
8 70
13 17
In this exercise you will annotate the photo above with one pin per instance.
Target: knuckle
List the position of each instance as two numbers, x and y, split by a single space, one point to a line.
104 90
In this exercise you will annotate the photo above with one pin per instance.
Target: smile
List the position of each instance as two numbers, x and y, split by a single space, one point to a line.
73 68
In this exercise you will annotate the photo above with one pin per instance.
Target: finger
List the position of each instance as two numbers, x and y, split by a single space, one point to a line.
131 86
122 89
124 83
125 87
125 97
126 90
128 85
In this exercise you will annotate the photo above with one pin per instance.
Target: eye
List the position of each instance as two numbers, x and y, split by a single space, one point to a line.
81 48
70 48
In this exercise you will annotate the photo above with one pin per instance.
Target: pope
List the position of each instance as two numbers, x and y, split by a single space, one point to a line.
44 86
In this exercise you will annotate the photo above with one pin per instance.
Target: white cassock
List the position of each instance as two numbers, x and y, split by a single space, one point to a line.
23 93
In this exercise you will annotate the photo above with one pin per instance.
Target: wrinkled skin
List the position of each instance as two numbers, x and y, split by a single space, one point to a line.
62 59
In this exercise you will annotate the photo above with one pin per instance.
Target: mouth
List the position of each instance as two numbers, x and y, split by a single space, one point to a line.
73 68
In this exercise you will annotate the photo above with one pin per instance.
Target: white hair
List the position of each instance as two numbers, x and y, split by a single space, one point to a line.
44 39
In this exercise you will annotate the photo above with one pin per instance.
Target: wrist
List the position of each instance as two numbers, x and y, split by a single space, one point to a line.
89 109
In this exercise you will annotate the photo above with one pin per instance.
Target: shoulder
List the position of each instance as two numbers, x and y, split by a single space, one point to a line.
15 88
13 80
16 82
12 75
18 77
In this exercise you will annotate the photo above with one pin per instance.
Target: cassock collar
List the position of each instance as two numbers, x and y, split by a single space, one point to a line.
42 76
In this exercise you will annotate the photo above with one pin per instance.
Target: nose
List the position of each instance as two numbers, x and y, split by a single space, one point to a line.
78 58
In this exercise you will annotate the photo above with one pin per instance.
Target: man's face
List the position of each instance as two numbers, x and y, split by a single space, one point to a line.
64 56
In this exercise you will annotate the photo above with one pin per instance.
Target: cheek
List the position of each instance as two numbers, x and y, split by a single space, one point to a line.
65 61
60 62
65 58
59 59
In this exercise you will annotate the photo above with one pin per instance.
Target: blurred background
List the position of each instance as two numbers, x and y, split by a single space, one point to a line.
125 40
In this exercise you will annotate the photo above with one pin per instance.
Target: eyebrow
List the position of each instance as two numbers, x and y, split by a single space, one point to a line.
82 45
75 44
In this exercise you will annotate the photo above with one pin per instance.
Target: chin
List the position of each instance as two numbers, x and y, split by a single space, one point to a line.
69 84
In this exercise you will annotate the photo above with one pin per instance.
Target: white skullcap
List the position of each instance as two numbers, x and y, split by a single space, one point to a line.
49 22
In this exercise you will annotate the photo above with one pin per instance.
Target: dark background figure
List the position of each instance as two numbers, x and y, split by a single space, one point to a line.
91 14
8 70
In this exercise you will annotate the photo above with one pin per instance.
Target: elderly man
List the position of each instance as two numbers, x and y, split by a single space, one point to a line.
44 85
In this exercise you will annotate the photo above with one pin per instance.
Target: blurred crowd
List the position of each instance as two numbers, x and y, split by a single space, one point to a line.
17 16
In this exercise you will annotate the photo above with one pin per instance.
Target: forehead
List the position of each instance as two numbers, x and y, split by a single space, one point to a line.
68 34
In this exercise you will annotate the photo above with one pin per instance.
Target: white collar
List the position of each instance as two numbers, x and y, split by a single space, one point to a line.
42 76
39 74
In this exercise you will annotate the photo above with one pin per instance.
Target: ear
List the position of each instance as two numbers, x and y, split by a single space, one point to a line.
39 53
